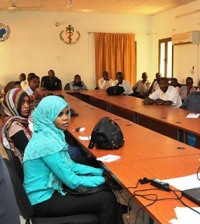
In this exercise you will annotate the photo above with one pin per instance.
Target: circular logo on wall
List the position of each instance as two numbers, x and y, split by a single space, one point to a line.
69 35
4 32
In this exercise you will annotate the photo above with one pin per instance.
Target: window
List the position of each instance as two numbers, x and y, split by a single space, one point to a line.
166 57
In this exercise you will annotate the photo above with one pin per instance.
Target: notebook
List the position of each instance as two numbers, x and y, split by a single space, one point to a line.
193 194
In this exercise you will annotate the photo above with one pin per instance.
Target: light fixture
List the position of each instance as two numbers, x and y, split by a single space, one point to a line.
69 4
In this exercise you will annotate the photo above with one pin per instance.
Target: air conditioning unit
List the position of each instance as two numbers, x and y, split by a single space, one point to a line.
192 37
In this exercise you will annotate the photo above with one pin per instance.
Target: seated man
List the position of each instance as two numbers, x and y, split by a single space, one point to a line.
141 87
174 83
192 102
187 89
77 84
122 83
105 81
33 90
165 95
23 81
51 82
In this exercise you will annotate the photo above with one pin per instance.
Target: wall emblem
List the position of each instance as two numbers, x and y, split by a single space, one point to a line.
4 32
69 35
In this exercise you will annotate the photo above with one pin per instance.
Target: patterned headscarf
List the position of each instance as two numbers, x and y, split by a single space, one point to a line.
12 108
47 139
13 101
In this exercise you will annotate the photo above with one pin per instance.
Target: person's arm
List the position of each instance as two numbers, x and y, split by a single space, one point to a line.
184 104
163 102
146 86
102 83
20 140
71 86
148 101
127 87
135 86
115 83
83 86
67 171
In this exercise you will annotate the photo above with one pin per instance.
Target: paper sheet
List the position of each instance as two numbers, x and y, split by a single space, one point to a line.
108 158
192 115
84 138
184 183
186 216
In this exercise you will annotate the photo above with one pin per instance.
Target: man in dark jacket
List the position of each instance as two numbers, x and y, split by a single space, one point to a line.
51 82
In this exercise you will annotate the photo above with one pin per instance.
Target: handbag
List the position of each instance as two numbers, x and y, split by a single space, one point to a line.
82 190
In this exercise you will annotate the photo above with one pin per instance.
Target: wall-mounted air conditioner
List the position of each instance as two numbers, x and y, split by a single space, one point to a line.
192 37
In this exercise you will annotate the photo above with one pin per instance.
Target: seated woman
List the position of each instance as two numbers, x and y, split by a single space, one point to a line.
77 84
15 128
48 167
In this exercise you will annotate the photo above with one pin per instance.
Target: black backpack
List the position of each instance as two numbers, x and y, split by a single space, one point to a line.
115 90
106 135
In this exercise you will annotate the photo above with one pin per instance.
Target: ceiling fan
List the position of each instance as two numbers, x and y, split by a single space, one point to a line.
13 7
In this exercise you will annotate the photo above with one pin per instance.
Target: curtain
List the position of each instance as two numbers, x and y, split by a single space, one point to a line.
115 53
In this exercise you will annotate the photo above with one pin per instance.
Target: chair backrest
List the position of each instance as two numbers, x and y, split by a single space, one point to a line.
67 87
59 84
23 202
9 85
9 209
16 163
43 80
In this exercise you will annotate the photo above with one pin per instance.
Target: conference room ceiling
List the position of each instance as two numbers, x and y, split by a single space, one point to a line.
128 7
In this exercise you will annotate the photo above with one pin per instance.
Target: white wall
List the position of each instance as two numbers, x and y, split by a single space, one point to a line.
35 46
185 56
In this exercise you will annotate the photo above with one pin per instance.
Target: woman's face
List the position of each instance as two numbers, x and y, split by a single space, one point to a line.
25 108
62 121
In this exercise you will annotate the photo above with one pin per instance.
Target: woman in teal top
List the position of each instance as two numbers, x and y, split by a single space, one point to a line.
48 166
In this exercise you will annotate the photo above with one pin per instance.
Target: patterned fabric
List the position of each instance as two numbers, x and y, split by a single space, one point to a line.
13 102
12 108
47 139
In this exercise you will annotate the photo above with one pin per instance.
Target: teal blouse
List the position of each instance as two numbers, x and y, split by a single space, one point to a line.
44 175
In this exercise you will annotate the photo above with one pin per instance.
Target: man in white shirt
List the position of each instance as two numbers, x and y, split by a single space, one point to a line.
141 87
105 81
122 83
23 81
165 95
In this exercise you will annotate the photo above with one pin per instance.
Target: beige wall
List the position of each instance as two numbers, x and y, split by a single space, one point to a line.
35 46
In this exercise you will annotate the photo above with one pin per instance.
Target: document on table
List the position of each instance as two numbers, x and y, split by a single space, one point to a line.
108 158
186 216
192 115
185 182
84 138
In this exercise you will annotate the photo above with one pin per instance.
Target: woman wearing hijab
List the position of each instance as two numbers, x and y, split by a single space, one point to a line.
48 167
15 128
77 84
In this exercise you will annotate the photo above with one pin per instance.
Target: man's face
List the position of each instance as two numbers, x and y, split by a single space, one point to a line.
34 83
51 74
120 78
189 82
163 83
144 76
